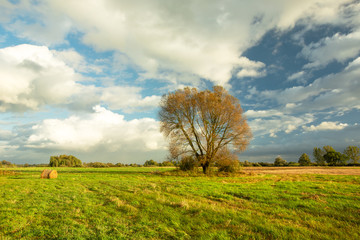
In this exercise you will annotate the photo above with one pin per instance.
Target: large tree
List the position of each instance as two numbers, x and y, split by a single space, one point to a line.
201 123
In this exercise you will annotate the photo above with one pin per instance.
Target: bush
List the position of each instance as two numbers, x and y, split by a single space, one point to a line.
188 163
227 161
228 165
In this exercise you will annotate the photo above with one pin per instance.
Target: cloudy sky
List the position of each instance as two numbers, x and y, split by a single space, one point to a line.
85 77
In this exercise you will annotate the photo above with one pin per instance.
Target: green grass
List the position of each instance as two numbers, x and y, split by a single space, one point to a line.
136 203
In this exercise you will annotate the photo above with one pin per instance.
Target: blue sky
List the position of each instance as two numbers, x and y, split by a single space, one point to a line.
85 77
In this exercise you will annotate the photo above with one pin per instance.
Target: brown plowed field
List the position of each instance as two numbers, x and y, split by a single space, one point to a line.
304 170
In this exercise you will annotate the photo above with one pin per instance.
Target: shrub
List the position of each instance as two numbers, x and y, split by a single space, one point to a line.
228 165
227 161
188 163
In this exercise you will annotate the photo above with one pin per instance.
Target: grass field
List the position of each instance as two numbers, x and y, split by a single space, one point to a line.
140 203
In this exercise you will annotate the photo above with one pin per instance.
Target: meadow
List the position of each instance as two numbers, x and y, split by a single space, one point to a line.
160 203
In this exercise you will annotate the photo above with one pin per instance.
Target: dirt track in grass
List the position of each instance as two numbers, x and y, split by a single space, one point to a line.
304 170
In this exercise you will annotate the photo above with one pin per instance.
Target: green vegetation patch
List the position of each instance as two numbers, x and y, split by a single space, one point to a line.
135 203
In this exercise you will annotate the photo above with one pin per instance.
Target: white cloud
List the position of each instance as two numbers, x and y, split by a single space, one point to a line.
32 21
32 76
339 91
263 113
291 105
5 147
250 68
128 98
298 76
202 38
5 134
100 129
290 128
326 126
336 48
76 61
272 122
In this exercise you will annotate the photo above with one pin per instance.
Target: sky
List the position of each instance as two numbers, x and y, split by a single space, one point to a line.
85 77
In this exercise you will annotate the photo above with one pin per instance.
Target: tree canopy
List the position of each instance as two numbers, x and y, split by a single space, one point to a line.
201 123
149 163
353 153
65 161
334 158
319 156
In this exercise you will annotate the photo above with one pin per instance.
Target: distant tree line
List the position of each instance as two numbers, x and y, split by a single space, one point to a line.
328 156
225 161
325 156
152 163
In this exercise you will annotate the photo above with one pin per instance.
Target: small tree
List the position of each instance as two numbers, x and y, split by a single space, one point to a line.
304 160
352 152
279 161
319 156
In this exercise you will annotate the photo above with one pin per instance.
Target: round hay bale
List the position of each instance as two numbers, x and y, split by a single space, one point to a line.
48 173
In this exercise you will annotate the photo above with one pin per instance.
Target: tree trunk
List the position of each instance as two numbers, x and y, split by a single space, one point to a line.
205 167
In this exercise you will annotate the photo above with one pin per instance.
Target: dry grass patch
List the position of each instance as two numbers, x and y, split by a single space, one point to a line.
304 170
7 172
